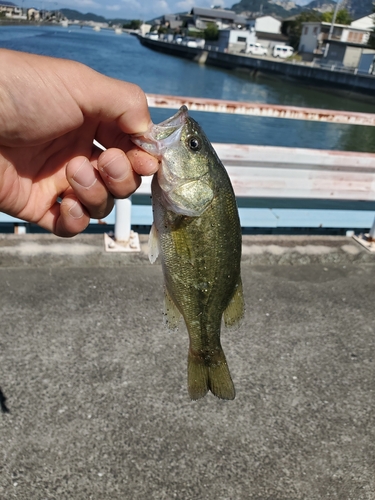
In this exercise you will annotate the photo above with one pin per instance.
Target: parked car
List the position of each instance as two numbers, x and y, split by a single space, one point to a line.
189 42
152 35
282 51
256 49
192 42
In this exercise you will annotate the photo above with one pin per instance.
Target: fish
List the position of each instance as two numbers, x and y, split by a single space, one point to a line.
196 233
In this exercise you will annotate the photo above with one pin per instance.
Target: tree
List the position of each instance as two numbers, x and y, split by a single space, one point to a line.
211 32
134 24
371 41
342 17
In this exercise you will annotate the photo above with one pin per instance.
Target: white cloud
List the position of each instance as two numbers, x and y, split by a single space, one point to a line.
151 8
80 5
162 5
86 3
186 5
132 4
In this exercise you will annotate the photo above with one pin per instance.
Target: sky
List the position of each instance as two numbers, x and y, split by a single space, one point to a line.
129 9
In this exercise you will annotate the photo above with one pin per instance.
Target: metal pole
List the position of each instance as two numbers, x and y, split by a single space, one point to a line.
19 228
123 219
371 235
125 240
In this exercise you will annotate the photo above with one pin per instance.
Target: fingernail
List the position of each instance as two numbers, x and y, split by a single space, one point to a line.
85 175
116 168
76 211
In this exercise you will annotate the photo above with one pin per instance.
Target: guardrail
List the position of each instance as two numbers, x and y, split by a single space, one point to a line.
270 173
335 66
261 109
310 177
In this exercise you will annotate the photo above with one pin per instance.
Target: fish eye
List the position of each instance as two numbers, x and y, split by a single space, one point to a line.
194 143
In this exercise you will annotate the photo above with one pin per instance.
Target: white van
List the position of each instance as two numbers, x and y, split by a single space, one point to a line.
282 51
256 49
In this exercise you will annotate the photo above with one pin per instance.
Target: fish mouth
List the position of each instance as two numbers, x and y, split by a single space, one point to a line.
161 136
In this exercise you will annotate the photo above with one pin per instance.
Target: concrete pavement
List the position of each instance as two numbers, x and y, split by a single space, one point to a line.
96 387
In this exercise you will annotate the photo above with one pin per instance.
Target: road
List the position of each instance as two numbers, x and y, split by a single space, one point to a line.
96 386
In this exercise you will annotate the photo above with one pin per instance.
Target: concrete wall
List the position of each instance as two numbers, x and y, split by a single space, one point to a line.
363 85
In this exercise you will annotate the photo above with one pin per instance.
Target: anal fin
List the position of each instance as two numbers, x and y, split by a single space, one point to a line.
236 307
171 314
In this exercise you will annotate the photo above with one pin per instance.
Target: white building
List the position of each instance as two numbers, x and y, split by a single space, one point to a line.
15 13
364 23
33 14
315 36
265 24
6 7
233 40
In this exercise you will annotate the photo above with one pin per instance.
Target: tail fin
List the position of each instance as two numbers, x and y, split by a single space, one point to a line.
213 375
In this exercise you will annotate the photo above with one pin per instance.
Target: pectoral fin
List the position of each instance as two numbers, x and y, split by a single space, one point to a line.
236 307
153 244
171 314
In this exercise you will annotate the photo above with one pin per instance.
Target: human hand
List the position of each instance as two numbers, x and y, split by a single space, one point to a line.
51 110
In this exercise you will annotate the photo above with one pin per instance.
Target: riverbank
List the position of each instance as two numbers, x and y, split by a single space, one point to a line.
24 22
355 86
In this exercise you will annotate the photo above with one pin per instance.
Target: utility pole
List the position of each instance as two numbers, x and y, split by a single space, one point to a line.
333 19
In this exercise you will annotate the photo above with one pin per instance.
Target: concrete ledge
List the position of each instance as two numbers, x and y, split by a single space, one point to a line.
35 250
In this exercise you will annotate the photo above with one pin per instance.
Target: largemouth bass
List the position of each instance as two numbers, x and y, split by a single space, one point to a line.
197 233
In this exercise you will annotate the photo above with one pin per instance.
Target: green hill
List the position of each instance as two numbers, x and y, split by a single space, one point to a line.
75 15
321 4
359 8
